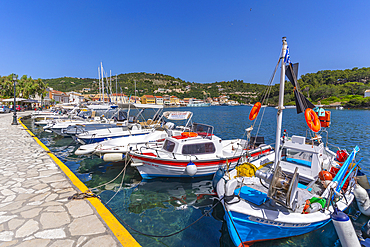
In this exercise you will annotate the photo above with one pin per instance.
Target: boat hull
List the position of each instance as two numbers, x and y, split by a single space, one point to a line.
253 229
151 167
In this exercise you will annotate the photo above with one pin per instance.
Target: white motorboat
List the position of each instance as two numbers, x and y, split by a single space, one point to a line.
114 149
133 126
194 153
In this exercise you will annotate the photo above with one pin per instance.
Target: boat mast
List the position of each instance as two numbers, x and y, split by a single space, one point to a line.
281 103
102 80
99 84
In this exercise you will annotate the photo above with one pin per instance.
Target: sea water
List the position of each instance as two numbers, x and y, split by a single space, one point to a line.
161 207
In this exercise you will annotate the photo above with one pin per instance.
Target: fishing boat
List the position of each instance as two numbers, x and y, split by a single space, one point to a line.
194 153
299 191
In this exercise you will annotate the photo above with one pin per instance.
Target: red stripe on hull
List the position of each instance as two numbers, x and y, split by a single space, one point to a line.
184 164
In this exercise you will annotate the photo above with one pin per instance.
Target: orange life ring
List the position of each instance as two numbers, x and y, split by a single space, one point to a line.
312 120
255 110
189 134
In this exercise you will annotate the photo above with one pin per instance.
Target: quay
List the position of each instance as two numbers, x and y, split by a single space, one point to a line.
34 190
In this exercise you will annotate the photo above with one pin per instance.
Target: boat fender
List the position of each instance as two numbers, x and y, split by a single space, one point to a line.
365 230
217 177
113 157
344 229
230 187
191 169
362 180
362 198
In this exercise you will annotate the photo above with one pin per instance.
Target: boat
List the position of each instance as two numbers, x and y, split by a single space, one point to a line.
197 103
87 120
295 194
193 153
115 149
136 125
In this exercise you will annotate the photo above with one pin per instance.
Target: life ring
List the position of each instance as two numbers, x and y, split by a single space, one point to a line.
189 134
255 110
312 120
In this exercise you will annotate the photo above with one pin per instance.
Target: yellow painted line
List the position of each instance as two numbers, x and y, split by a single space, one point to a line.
116 227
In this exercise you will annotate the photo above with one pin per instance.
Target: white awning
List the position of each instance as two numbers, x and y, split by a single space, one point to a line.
12 100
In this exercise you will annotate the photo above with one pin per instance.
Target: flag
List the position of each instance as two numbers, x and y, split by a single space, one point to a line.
287 56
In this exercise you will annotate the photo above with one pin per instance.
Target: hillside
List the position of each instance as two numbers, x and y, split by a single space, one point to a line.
325 86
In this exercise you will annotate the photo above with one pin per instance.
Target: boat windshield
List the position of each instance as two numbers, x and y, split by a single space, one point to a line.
297 157
199 148
169 146
204 130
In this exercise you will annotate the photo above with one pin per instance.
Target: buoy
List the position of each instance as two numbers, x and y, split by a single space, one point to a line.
344 229
362 198
113 157
191 169
216 178
362 180
325 175
342 155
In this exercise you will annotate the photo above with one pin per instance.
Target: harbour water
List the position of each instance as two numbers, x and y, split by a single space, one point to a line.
165 206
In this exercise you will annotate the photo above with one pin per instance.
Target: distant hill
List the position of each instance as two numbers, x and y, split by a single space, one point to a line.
316 86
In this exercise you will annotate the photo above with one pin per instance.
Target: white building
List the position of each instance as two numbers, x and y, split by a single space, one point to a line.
75 97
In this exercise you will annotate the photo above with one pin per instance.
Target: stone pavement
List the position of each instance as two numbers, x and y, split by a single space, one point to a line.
34 205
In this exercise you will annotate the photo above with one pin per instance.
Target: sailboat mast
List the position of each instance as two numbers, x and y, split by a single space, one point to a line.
281 103
99 84
102 80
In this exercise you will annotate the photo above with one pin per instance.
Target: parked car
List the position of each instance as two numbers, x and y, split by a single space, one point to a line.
18 108
4 109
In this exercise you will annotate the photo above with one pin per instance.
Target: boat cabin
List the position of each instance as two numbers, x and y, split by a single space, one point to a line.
199 141
307 156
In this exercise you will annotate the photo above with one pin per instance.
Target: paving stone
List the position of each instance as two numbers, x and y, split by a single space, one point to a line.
40 186
53 179
9 198
54 220
55 209
10 243
31 213
101 241
63 243
35 243
86 226
27 229
79 208
6 236
51 197
7 192
81 240
11 205
5 218
51 234
40 197
14 223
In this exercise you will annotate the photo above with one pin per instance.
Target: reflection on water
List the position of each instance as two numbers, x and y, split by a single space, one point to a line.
164 206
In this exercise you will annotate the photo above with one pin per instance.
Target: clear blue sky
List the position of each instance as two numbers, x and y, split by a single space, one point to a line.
197 41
